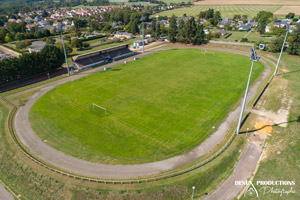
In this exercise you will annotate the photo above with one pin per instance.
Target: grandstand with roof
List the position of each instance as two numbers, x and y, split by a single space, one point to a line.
101 57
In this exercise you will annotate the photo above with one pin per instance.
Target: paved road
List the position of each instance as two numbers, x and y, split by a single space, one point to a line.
4 195
242 172
85 168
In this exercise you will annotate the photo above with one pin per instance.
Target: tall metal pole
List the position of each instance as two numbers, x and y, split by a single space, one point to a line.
62 38
253 58
143 34
279 58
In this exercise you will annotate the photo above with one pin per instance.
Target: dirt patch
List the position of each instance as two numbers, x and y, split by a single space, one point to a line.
263 128
247 2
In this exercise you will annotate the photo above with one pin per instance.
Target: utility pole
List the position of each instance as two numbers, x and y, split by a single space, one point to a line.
62 38
143 18
254 58
279 58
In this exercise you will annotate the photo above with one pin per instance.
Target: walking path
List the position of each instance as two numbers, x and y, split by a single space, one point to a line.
5 195
54 157
243 170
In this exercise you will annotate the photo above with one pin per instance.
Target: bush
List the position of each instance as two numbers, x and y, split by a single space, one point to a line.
244 40
27 42
85 44
20 45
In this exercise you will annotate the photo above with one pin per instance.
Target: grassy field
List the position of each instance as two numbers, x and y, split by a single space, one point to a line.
226 10
160 106
33 182
281 160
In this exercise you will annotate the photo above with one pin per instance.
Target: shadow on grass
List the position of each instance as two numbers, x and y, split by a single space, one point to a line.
283 73
251 131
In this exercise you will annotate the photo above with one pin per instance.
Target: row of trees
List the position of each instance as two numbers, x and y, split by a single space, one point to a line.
186 32
26 65
12 33
293 40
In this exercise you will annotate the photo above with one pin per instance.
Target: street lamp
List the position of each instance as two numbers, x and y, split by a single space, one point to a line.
193 192
254 58
143 18
60 28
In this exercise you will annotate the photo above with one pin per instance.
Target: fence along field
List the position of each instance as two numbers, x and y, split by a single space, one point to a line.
226 10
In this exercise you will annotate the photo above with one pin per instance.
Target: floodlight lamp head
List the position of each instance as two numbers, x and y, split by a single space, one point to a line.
253 55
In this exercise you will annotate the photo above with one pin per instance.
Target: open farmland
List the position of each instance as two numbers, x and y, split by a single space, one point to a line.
226 10
286 9
247 2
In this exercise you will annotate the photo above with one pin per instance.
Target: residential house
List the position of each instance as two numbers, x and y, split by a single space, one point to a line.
123 35
244 27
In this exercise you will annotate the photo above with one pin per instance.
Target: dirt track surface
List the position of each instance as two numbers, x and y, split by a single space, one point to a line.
242 172
54 157
4 195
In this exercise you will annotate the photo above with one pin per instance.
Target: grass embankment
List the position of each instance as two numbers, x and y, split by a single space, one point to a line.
160 106
283 147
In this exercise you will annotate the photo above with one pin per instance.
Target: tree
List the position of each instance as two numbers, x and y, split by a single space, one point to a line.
19 36
20 45
68 47
276 44
190 28
158 31
46 33
181 32
237 17
173 29
290 15
38 34
52 32
199 36
8 37
76 43
53 56
294 45
216 19
27 42
50 40
263 18
134 28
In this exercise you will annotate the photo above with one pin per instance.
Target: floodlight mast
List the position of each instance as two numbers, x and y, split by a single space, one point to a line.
143 33
254 58
279 58
63 43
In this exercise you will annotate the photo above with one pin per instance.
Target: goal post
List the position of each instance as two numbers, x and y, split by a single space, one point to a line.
98 109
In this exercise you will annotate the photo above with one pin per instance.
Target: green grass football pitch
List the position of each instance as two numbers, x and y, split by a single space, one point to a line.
159 106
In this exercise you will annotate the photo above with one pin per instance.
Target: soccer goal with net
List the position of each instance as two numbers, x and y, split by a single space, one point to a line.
99 110
204 51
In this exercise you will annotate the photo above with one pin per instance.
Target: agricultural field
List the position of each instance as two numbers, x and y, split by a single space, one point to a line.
157 107
286 9
248 2
226 10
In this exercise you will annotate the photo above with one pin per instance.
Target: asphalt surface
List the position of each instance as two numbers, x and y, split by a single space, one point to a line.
5 195
242 172
54 157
